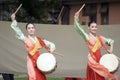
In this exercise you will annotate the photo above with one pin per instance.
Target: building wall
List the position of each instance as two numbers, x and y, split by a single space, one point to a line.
114 13
98 14
73 9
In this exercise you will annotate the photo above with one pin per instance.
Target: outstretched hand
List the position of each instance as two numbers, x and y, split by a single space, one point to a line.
13 17
77 14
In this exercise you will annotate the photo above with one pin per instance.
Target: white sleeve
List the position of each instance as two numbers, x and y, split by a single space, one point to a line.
50 45
17 30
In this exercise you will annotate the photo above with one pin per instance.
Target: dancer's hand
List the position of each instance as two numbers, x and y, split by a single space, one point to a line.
77 14
111 48
13 17
109 51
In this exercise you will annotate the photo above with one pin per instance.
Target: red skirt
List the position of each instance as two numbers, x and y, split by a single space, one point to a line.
90 73
33 72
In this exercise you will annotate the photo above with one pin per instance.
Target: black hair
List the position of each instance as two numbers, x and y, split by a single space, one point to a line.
28 24
89 23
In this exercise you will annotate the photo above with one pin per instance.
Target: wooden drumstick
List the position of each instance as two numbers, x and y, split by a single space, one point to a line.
18 9
60 12
58 54
81 8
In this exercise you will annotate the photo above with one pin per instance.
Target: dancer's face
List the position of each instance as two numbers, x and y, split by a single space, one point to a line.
93 28
31 29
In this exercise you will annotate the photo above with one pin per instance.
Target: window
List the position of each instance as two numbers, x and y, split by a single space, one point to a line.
104 13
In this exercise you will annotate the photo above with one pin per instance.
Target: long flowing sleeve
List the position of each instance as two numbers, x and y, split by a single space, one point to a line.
50 45
18 31
79 28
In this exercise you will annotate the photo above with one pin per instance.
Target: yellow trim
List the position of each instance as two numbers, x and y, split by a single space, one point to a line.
95 47
32 52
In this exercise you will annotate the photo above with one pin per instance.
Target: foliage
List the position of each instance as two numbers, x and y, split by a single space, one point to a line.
38 11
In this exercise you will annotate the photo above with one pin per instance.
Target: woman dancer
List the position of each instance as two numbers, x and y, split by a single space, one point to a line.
94 71
32 44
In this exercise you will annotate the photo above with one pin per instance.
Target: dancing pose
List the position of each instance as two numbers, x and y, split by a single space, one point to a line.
32 44
94 71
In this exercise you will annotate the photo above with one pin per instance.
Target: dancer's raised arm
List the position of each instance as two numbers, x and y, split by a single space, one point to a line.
78 27
16 28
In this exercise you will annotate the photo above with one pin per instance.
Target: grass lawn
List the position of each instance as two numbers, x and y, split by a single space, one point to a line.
24 78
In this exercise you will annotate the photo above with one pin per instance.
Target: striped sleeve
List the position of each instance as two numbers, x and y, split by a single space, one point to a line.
79 29
108 41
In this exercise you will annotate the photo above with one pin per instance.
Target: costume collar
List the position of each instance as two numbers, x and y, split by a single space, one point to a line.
32 39
93 36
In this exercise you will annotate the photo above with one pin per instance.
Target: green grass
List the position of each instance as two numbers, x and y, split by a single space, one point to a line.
20 78
49 78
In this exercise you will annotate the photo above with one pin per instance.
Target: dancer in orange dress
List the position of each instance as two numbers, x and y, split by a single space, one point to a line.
94 71
32 44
